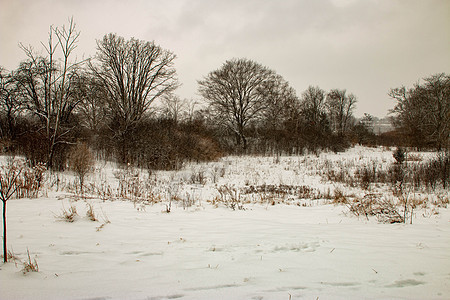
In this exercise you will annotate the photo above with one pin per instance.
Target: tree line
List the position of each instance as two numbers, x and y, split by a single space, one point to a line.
53 102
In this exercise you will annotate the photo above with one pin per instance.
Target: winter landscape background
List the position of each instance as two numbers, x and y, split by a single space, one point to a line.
199 149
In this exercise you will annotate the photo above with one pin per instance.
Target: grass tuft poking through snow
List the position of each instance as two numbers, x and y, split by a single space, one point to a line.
30 265
68 214
90 214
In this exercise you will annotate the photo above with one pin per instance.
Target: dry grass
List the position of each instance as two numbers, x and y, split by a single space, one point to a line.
374 205
339 197
230 196
90 214
30 265
105 221
68 215
12 256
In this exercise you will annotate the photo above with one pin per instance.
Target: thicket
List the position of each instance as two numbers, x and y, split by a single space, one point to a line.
162 144
409 177
405 171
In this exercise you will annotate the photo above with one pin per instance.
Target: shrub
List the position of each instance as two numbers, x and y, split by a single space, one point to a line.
161 144
130 184
431 173
32 142
399 155
373 205
81 161
366 175
438 169
198 177
31 180
231 197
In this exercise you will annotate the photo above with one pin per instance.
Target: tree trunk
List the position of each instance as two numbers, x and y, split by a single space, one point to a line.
5 251
244 140
124 149
11 130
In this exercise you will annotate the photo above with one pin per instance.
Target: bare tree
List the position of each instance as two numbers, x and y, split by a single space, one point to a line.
9 177
91 96
46 83
363 130
239 93
313 101
281 99
423 112
173 107
192 107
11 103
134 74
340 106
277 128
434 100
315 129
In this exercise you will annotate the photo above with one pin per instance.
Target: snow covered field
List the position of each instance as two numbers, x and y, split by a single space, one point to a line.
303 247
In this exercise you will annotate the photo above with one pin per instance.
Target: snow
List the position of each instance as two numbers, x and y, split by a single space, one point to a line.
310 249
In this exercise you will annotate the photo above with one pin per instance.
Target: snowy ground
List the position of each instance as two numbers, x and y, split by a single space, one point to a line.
309 249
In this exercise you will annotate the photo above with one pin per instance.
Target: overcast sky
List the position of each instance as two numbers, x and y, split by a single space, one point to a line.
366 47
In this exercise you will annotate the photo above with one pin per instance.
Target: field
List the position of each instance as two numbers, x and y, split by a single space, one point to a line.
239 228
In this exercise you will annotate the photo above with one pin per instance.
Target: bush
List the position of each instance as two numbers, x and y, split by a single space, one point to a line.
399 155
31 181
81 161
373 205
367 175
433 172
33 144
161 144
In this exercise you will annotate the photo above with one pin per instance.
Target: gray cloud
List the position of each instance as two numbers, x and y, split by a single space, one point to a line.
362 45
